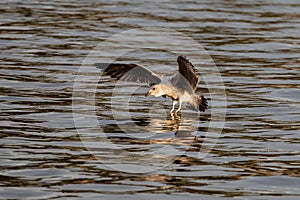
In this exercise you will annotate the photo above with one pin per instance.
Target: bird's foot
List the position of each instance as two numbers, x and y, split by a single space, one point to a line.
177 112
174 115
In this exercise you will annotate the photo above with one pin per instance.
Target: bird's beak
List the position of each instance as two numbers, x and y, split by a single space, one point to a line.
148 93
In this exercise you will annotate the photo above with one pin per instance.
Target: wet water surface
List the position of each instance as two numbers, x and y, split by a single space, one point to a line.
46 154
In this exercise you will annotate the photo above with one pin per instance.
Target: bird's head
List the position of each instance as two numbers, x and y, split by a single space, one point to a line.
157 90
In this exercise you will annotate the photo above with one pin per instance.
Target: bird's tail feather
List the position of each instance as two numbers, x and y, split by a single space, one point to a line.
199 104
202 102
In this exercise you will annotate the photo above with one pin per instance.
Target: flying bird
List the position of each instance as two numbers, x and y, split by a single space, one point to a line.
181 87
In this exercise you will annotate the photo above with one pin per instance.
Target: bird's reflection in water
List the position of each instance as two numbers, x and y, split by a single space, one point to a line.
151 142
158 130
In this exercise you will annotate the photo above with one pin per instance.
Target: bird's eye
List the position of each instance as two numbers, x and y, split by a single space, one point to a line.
153 89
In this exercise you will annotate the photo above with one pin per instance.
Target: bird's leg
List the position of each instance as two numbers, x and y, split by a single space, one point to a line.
179 108
172 115
174 103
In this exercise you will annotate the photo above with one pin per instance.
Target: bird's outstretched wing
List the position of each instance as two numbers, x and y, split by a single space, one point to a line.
130 72
186 79
187 70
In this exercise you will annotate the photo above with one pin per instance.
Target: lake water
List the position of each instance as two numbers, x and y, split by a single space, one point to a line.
67 133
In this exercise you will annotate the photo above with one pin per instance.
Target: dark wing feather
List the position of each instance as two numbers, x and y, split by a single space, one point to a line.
181 83
187 70
129 72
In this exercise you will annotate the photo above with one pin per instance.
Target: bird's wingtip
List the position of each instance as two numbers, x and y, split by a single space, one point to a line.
182 58
101 65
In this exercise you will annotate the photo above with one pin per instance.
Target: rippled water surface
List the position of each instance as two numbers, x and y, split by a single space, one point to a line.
45 154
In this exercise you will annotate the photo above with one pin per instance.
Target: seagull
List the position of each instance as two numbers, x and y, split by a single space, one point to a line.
181 87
